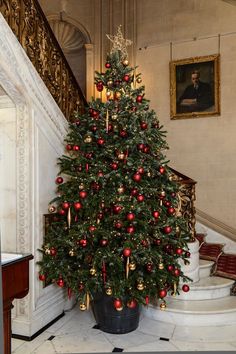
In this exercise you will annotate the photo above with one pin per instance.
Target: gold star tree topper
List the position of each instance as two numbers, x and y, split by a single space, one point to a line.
119 43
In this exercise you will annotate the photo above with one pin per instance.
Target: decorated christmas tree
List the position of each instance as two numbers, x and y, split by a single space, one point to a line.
117 230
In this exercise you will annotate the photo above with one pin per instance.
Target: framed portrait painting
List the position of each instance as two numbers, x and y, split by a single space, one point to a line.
194 87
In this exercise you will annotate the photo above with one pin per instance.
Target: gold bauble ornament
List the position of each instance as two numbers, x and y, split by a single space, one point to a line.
140 286
163 306
72 252
121 156
51 208
139 80
108 93
81 186
132 266
109 83
82 306
47 251
121 189
109 291
88 139
177 229
161 266
125 62
114 116
149 174
117 95
92 271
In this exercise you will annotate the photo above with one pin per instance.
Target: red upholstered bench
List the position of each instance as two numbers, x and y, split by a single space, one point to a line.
210 251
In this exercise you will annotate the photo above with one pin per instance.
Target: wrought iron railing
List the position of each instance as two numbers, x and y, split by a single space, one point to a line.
186 199
29 24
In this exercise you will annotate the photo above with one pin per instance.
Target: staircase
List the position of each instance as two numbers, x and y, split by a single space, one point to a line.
209 301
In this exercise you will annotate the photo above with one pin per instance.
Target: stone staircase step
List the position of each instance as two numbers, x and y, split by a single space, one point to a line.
207 288
205 268
195 313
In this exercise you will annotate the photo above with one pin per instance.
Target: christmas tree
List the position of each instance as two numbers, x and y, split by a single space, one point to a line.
118 231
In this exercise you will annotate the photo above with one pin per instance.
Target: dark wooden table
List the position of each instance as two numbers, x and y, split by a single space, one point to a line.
15 285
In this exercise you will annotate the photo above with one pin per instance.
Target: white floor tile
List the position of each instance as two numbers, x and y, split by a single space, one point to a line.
157 328
156 346
203 346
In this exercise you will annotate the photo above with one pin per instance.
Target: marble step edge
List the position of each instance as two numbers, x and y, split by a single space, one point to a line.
210 306
212 282
204 263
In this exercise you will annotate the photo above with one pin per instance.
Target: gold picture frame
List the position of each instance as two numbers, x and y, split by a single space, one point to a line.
195 87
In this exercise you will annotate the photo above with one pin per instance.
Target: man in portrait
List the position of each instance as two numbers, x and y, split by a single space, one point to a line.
196 97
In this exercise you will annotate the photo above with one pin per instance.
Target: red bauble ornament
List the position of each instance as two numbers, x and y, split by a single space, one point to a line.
185 288
143 125
77 205
53 251
173 194
130 229
144 243
93 128
83 194
117 303
81 286
100 174
42 277
60 282
179 251
141 170
170 267
127 252
126 78
65 205
162 170
171 210
167 229
107 65
118 225
149 267
117 209
139 98
110 128
187 254
156 214
76 148
61 212
147 299
83 242
88 155
68 147
134 192
146 149
140 198
99 86
59 180
167 203
137 177
162 293
101 141
103 242
130 216
92 228
157 241
100 216
114 166
95 186
132 304
123 133
140 147
95 114
176 272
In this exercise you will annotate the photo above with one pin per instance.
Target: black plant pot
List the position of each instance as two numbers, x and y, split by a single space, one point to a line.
112 321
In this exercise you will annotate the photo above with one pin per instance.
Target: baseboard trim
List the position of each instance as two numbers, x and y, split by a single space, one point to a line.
29 338
216 225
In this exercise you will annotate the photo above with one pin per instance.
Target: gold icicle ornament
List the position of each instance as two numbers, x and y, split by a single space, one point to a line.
69 218
127 268
107 121
163 305
87 300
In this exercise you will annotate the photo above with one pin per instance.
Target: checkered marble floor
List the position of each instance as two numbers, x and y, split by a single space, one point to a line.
76 332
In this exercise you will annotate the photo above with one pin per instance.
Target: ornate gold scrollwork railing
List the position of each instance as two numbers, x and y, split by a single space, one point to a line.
29 24
186 198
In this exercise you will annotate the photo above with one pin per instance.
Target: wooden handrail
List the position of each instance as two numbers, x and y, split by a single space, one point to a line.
29 24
